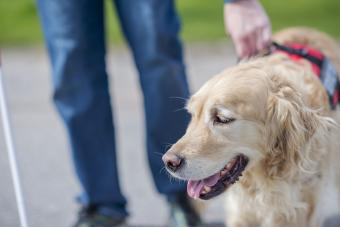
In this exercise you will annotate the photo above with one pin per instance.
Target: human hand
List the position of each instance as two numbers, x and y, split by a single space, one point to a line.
248 25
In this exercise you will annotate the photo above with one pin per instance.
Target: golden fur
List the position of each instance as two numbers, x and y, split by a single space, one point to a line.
283 124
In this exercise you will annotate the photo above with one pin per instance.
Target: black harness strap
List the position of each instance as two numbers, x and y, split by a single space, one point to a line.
300 52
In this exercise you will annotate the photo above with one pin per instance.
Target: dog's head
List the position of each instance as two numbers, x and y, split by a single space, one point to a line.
245 117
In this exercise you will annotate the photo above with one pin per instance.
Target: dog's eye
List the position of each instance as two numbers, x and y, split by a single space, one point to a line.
223 120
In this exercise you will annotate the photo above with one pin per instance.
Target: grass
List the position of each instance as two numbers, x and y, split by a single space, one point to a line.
202 20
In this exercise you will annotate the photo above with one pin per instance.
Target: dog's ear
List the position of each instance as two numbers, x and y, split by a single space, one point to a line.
290 126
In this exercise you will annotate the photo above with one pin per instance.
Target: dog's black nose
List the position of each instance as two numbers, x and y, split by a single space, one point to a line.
173 162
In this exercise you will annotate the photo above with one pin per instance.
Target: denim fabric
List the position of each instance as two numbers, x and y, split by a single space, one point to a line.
75 37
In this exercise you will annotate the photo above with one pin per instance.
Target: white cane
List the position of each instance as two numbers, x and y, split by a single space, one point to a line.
11 154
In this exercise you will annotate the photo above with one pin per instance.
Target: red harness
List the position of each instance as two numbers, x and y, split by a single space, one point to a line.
321 66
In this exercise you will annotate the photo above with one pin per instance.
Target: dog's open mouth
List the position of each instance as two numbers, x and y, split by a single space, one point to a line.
216 184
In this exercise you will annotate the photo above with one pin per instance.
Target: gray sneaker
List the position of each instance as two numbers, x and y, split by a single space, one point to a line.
89 217
183 213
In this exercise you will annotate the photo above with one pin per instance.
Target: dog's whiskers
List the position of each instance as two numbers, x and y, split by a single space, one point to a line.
162 169
180 109
177 97
158 153
167 146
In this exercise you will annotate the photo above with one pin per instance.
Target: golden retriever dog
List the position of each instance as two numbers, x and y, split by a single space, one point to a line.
264 133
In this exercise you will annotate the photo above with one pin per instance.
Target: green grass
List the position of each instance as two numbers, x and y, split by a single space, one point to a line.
202 20
321 14
18 22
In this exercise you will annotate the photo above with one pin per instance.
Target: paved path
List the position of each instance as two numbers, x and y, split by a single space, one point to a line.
45 167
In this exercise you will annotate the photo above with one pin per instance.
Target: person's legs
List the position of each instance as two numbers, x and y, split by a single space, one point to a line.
151 28
74 32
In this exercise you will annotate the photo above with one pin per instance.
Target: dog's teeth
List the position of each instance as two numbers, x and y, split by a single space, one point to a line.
230 164
224 171
207 189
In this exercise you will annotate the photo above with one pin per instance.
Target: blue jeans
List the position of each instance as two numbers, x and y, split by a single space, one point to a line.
75 37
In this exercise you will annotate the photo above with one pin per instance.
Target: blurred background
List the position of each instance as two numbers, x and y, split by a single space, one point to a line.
201 19
49 185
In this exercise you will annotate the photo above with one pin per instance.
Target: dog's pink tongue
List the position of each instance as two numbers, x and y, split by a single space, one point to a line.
194 188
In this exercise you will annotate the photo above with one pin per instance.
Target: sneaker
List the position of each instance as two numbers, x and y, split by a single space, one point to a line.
90 217
183 213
